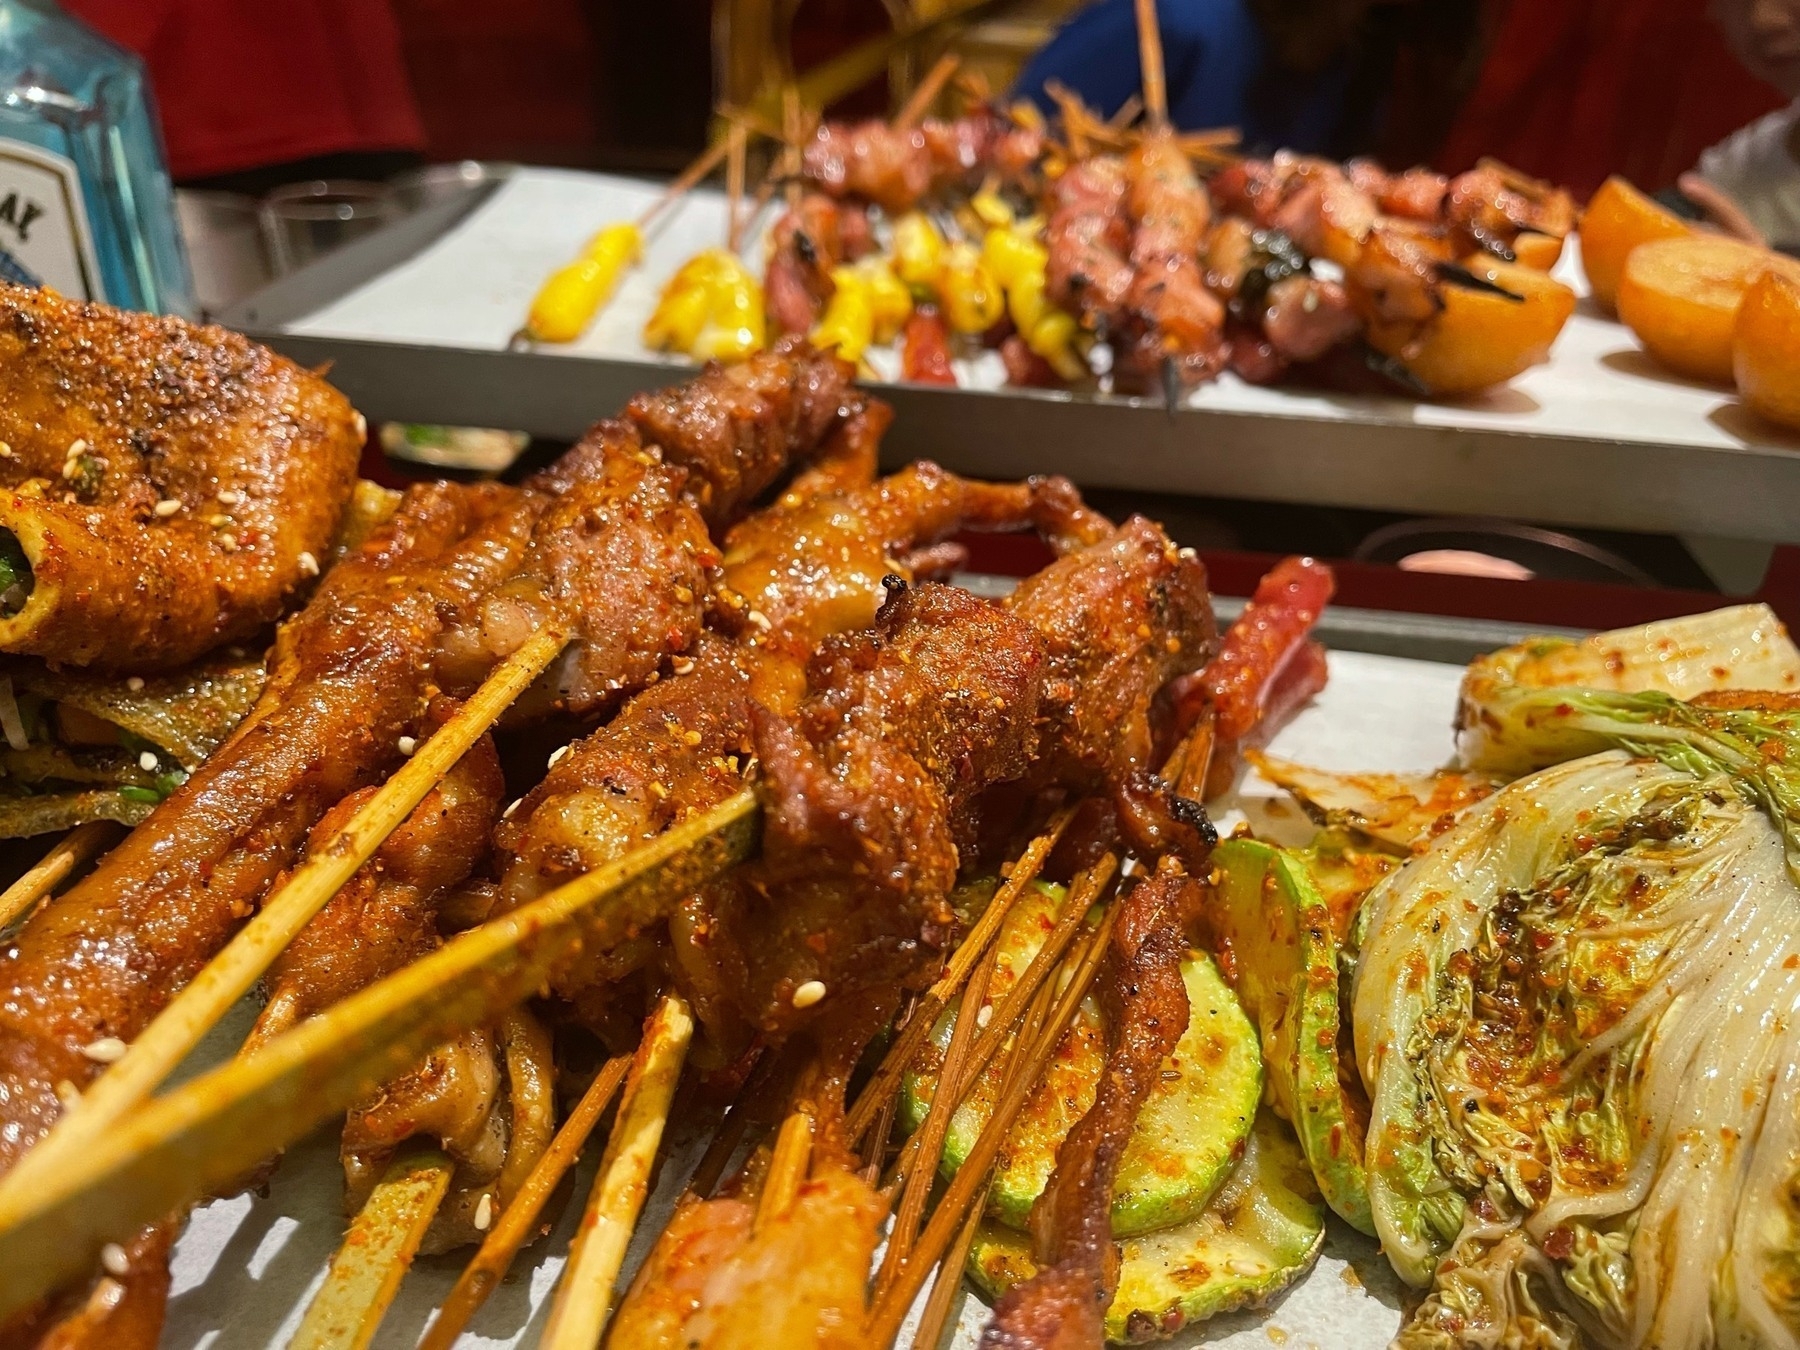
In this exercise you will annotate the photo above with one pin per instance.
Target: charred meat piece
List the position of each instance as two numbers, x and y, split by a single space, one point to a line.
1087 238
167 488
869 791
345 685
1179 321
898 167
1146 1008
736 429
386 916
1119 621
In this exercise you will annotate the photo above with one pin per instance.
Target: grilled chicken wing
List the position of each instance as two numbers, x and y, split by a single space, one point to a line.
168 487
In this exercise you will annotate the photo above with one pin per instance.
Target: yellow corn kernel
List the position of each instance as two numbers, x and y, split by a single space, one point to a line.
568 300
972 301
918 249
848 324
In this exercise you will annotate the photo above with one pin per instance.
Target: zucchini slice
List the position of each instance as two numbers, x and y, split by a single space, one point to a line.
1190 1132
1260 1234
1280 934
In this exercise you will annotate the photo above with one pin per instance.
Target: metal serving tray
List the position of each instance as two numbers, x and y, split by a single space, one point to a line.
1628 449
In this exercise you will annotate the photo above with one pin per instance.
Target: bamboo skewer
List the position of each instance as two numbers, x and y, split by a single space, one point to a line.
787 1169
933 1001
211 1131
890 1311
952 1079
1150 55
1088 888
925 93
376 1253
184 1022
585 1295
948 1281
734 185
513 1229
48 872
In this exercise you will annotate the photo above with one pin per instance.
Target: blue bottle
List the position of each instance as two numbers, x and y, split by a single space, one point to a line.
85 202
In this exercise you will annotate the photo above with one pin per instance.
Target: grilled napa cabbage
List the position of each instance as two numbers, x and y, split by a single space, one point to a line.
1578 1016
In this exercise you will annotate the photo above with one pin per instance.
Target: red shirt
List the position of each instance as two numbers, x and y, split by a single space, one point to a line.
242 85
1574 90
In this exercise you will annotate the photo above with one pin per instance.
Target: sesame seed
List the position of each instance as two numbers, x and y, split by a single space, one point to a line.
113 1258
408 744
218 522
659 791
167 507
809 993
362 425
1237 1267
1129 868
557 754
690 738
106 1050
135 683
68 1094
228 542
309 565
757 617
682 665
5 450
147 761
985 1016
229 498
1187 554
514 806
108 1294
484 1212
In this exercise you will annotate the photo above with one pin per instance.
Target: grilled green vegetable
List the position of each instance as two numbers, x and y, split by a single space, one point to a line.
1579 1016
1260 1234
1279 932
1191 1127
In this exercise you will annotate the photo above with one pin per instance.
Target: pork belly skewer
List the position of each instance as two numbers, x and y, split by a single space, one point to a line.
1178 325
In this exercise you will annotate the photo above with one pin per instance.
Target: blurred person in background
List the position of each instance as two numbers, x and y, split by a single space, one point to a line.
253 95
1756 170
1328 77
1575 90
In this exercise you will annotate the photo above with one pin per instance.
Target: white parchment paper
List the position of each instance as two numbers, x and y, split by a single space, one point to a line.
245 1267
471 288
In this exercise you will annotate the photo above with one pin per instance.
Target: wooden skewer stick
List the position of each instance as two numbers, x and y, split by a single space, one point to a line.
1126 115
1087 889
886 1079
925 93
787 1168
972 1177
1150 54
948 1281
184 1022
498 1249
952 1079
182 1146
689 179
734 185
48 872
376 1253
584 1297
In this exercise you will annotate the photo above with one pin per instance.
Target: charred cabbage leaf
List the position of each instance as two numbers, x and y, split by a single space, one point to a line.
1578 1015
